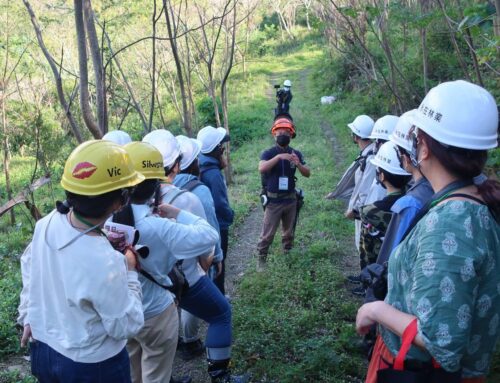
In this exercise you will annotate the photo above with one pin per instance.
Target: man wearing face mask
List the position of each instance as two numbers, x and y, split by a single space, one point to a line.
278 165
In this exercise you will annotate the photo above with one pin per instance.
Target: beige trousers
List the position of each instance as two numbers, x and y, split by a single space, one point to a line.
152 351
273 215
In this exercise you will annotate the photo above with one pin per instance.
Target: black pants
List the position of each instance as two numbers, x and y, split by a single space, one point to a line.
224 238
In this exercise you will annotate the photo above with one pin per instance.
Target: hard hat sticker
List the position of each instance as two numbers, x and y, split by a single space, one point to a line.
84 170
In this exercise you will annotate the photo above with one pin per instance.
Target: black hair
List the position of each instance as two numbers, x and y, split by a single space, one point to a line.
466 164
144 191
169 169
396 180
89 206
193 168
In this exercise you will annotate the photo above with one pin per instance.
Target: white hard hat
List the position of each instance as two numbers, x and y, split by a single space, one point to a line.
287 83
401 134
362 126
383 127
166 143
118 137
210 137
460 114
190 148
387 159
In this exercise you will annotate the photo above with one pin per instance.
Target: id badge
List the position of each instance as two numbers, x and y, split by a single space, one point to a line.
283 183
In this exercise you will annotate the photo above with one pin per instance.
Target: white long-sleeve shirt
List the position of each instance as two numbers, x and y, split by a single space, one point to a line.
363 180
168 242
79 299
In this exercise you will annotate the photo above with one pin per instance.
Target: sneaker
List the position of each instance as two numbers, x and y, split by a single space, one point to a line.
354 279
359 291
190 350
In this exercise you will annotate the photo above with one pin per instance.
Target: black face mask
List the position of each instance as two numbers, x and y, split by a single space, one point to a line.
282 140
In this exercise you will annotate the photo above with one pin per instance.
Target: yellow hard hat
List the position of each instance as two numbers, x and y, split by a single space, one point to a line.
146 159
97 167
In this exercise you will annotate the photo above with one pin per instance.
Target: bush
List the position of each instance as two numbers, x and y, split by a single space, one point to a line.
206 112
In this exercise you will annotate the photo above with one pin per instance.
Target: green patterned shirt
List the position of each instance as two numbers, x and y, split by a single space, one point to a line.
447 274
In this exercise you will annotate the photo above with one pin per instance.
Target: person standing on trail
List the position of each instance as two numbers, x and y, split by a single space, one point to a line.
212 161
278 165
203 298
284 98
81 299
443 296
375 217
187 179
364 176
407 207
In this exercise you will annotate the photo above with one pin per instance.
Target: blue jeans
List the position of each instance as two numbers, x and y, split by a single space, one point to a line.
204 300
49 366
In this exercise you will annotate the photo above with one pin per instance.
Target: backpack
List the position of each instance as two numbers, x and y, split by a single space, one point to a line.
344 188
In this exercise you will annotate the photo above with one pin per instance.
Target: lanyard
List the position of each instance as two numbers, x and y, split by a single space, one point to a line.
92 227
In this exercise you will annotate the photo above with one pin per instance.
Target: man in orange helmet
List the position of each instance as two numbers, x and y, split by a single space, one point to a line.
278 165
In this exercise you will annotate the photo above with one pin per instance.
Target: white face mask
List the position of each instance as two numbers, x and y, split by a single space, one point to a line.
287 88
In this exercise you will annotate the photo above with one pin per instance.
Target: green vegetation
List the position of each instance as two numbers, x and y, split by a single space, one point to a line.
295 321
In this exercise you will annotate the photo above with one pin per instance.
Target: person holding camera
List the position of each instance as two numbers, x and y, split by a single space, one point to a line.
443 277
284 97
81 299
278 164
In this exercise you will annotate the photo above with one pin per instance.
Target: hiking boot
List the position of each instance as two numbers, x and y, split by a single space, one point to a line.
190 350
359 291
182 379
354 279
220 373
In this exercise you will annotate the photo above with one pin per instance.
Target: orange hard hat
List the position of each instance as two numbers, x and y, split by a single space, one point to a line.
283 122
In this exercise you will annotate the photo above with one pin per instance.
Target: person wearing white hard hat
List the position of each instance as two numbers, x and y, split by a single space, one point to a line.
364 175
202 299
407 207
188 179
443 292
118 137
375 217
212 161
382 128
284 98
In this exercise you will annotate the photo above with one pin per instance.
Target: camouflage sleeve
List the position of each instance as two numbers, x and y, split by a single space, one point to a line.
376 217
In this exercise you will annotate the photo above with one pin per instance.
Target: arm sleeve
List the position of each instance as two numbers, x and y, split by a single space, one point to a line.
442 295
365 184
118 298
189 237
24 298
221 203
208 204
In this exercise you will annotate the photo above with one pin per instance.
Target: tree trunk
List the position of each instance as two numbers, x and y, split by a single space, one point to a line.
178 66
230 58
6 156
99 74
496 21
57 75
84 79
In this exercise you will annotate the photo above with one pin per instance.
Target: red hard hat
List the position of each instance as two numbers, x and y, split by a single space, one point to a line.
281 123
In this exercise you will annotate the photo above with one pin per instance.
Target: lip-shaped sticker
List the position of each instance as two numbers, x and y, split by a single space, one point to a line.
84 170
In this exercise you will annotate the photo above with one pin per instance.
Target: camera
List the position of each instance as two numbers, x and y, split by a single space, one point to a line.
375 276
277 86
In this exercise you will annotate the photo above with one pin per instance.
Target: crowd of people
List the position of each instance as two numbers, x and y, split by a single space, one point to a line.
428 237
103 305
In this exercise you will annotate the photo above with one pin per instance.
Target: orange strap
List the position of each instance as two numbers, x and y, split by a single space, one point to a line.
408 335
